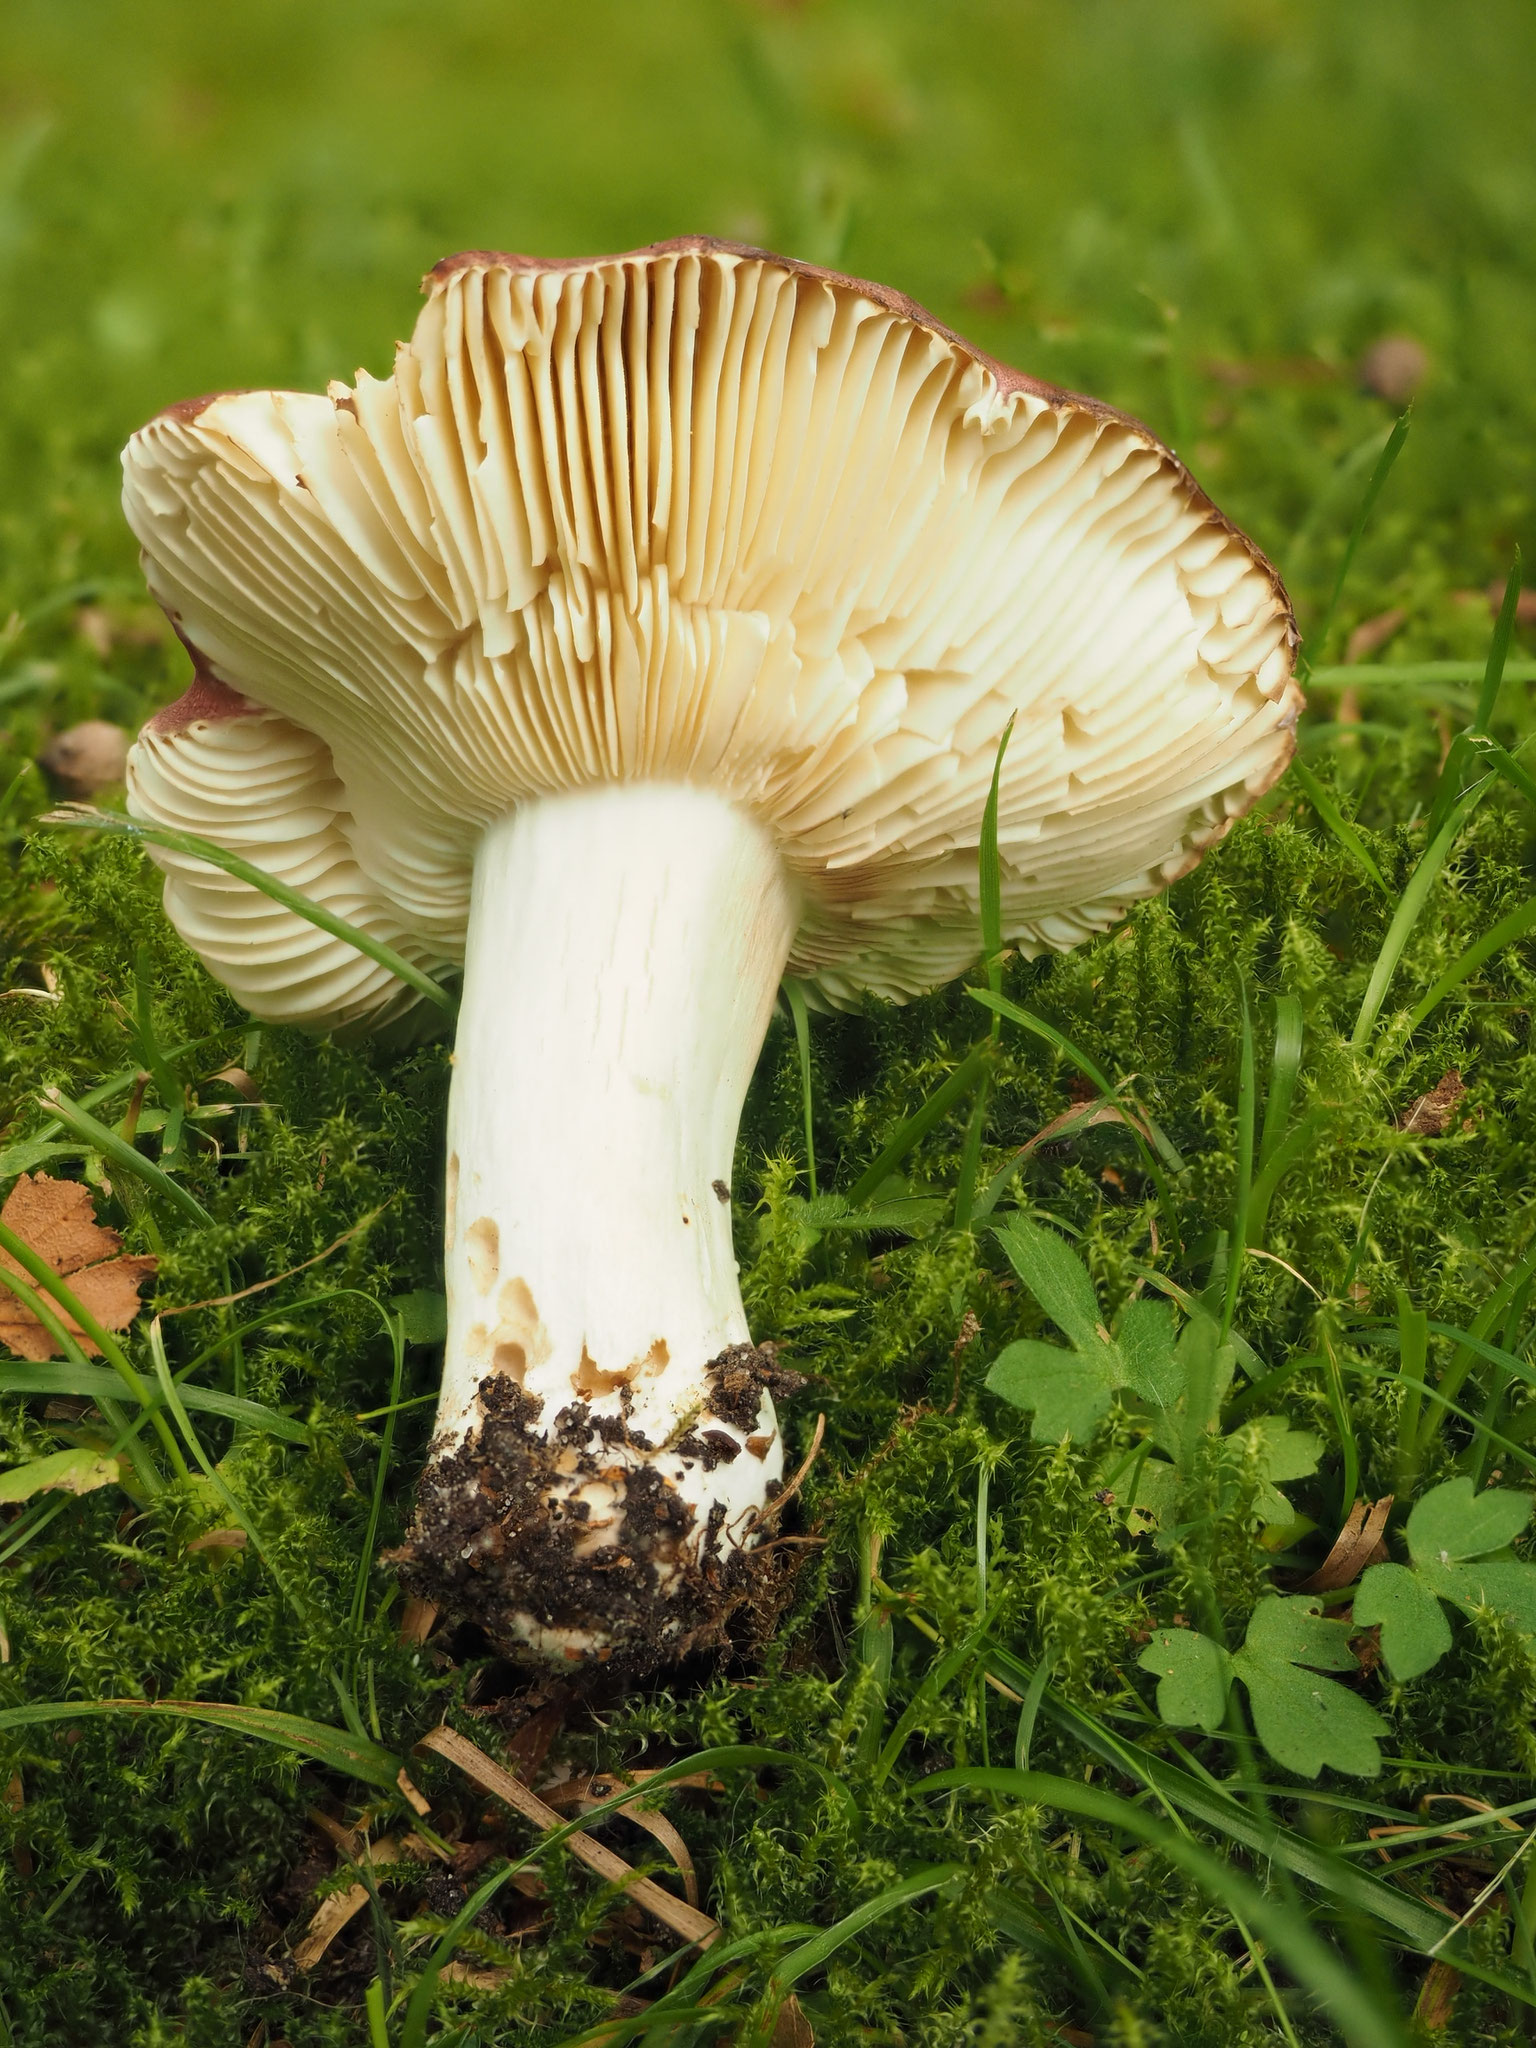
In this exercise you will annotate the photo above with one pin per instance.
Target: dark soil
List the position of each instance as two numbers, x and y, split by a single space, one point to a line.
496 1532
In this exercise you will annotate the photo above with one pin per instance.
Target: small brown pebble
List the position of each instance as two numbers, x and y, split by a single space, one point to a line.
1431 1113
1394 368
87 757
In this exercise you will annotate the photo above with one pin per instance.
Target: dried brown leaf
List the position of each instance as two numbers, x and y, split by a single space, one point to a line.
346 1840
1437 1997
683 1919
332 1916
334 1913
792 2029
1357 1544
585 1793
476 1979
411 1794
56 1219
416 1620
238 1079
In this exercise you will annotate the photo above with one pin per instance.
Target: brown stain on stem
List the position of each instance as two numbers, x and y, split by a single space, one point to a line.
510 1362
482 1245
589 1380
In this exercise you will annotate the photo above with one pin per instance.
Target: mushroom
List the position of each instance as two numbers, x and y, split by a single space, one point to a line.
649 632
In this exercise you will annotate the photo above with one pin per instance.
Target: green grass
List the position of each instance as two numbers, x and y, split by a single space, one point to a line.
948 1809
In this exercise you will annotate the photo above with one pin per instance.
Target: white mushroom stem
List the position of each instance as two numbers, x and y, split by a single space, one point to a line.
625 947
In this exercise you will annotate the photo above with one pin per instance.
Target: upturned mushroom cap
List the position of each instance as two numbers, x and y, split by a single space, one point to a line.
706 515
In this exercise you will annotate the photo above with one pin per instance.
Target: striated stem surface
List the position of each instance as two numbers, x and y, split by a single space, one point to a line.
606 1433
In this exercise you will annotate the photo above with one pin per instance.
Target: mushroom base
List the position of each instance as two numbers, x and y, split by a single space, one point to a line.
500 1536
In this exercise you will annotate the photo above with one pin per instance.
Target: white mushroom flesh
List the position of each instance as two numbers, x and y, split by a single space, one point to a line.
626 946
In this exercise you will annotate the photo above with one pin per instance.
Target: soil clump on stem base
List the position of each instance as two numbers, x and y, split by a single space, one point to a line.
501 1538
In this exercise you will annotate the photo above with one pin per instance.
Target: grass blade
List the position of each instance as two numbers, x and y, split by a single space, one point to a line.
1029 1712
1373 490
970 1155
990 875
1504 763
1278 1165
812 1954
1027 1021
795 996
1413 1357
1359 2015
82 817
96 1383
1498 651
395 1327
1237 1244
934 1682
112 1145
1413 675
1410 908
172 1398
1207 1803
373 2002
1504 933
316 1741
1285 1064
917 1126
1460 1362
1081 1116
1322 802
990 888
1474 742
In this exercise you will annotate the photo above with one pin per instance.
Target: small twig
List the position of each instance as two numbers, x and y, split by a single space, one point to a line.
261 1286
795 1484
969 1331
1254 1251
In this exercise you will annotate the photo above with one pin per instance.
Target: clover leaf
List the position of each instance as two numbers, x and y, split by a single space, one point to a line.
1415 1634
1283 1454
1305 1721
1193 1675
1178 1378
1070 1390
1450 1533
1302 1720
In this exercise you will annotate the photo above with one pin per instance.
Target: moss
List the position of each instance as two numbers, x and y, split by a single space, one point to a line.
1295 184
